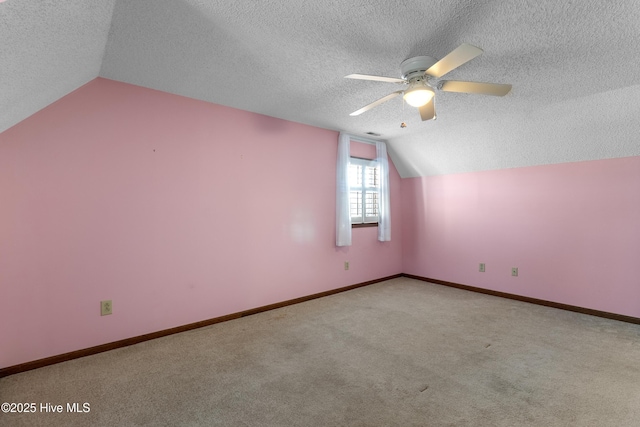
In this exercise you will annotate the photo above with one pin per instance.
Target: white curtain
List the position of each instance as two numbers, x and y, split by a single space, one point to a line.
384 209
343 216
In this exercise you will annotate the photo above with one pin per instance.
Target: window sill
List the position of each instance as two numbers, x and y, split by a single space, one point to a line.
363 225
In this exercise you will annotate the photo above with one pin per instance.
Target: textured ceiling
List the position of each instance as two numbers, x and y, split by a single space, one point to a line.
574 66
48 48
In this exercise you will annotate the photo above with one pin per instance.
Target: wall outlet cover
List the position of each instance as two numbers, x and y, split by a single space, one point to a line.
106 307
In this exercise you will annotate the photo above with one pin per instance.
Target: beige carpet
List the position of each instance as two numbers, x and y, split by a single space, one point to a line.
397 353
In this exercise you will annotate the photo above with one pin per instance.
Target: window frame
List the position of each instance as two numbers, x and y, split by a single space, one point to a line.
363 221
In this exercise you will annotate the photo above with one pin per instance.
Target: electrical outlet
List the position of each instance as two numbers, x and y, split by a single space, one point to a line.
514 271
106 308
481 269
346 265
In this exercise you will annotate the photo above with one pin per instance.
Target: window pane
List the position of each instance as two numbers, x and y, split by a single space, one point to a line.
355 175
355 203
371 206
373 178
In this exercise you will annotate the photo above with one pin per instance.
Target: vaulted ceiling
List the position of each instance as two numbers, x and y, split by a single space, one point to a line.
574 67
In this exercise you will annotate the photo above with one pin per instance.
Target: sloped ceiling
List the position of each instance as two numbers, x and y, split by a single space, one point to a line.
48 48
574 66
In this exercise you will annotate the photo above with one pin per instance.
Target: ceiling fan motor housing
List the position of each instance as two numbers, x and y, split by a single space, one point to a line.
416 66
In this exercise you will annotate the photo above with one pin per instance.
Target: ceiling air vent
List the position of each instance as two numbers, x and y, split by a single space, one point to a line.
373 134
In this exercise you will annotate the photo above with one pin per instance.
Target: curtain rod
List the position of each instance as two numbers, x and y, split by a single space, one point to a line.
363 139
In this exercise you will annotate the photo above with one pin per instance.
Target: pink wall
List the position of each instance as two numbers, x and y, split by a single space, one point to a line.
573 230
175 209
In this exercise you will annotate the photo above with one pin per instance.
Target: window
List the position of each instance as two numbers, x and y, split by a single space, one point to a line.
364 190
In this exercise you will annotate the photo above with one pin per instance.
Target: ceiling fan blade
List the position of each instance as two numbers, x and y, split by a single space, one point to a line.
458 56
428 111
375 103
495 89
374 78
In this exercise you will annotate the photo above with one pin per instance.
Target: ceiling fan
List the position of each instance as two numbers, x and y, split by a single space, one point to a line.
420 75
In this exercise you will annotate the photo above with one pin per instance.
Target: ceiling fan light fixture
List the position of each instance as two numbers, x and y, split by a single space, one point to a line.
418 95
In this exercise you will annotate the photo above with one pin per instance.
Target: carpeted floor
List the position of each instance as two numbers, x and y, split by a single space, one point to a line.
397 353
